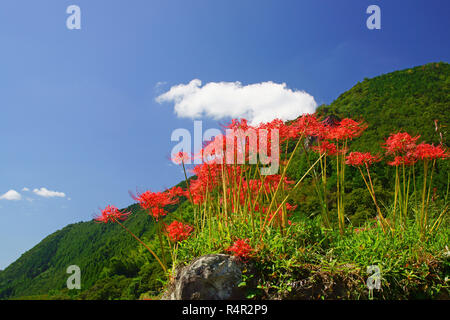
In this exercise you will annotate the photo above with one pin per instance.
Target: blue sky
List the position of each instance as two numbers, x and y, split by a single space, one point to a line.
78 113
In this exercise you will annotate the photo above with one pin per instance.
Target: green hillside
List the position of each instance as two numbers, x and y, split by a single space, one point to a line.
100 250
113 265
407 100
89 245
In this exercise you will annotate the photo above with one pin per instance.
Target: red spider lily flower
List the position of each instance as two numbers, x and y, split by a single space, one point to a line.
326 147
400 142
155 202
207 179
308 125
402 160
178 231
357 159
111 214
290 207
241 249
351 128
238 124
274 124
347 129
213 150
181 157
241 146
241 142
177 192
426 151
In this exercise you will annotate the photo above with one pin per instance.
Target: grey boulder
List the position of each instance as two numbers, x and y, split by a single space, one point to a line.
210 277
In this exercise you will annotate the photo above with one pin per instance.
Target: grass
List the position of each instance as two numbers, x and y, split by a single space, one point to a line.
314 263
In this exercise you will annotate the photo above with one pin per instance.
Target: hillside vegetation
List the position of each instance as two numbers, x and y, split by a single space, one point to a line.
101 251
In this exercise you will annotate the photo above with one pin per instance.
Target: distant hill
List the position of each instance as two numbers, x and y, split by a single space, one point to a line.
407 100
100 250
89 245
112 263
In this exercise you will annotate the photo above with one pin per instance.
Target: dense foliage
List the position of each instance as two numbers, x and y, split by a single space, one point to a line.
101 251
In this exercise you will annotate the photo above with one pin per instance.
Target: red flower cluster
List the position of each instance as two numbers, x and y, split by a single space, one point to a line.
241 249
333 130
241 134
111 214
400 142
178 231
207 179
326 147
181 157
428 151
237 124
308 125
247 141
346 129
357 159
407 152
290 207
155 202
176 192
402 160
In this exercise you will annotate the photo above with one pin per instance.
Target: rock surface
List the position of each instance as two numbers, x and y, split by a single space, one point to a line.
210 277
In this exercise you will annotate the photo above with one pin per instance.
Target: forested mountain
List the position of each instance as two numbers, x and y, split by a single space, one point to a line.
90 245
100 250
113 264
407 100
410 100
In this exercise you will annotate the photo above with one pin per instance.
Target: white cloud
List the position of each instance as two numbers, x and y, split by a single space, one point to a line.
11 195
259 102
25 189
44 192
